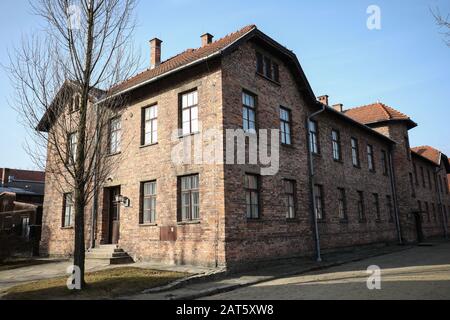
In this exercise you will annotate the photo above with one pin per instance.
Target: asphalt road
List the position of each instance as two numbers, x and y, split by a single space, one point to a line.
417 273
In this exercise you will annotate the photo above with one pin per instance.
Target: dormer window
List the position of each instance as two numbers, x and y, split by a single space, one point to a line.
266 67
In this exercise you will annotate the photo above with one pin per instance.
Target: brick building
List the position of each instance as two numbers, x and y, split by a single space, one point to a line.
344 176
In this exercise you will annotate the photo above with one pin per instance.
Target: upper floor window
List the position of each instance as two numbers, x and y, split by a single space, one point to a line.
68 210
289 189
189 112
430 185
411 181
342 204
249 112
115 128
72 147
189 194
422 173
336 144
267 67
376 206
361 213
75 103
445 184
384 162
318 193
370 160
408 149
415 174
148 214
313 137
285 123
251 185
150 125
355 152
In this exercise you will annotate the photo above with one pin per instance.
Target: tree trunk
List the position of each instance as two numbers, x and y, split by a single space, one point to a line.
79 253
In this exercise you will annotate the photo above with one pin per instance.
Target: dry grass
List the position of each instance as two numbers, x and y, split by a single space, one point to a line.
105 284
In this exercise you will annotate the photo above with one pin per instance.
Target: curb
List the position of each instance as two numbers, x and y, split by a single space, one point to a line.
228 288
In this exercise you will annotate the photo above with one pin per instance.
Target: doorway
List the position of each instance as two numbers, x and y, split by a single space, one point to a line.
114 216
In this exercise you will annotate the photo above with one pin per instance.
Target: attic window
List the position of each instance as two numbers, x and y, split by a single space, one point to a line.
75 103
266 67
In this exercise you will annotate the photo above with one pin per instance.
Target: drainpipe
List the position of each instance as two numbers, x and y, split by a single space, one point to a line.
394 197
311 179
95 195
444 216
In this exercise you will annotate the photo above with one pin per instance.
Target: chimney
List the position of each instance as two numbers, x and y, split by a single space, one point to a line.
206 39
323 99
338 107
155 52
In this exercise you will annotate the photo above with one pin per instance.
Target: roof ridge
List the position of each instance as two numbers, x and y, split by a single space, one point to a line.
384 108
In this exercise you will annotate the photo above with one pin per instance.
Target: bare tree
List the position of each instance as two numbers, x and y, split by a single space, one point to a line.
61 78
444 23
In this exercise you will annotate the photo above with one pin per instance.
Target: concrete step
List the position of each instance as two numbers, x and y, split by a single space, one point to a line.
111 253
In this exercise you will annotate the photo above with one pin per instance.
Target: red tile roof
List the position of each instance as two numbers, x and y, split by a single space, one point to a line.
429 153
182 59
377 112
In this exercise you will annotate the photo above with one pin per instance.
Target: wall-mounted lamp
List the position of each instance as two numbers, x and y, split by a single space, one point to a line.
125 201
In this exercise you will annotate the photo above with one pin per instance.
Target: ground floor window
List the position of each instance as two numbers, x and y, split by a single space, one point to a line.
68 210
148 214
251 185
189 194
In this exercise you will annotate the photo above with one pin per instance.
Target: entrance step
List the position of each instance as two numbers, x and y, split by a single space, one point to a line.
112 253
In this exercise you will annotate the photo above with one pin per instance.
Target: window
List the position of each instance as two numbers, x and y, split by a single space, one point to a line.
415 174
267 67
7 223
384 162
148 191
114 135
342 204
313 141
190 205
249 112
445 184
75 105
429 180
285 123
251 185
427 210
355 152
390 208
189 112
441 188
289 189
149 125
370 161
419 204
318 193
434 212
276 72
376 206
72 146
408 149
68 211
361 214
422 173
411 181
259 63
336 144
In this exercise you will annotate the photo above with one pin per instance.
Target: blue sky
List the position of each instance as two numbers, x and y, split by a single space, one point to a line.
405 64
